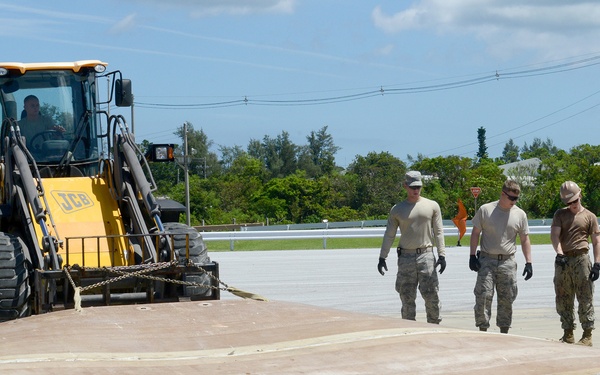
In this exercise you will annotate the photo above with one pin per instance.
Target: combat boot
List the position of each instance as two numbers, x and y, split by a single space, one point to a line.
586 339
568 337
504 329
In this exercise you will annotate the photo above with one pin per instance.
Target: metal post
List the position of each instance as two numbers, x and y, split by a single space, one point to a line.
325 233
132 117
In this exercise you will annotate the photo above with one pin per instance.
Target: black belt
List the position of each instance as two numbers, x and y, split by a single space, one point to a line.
497 256
418 250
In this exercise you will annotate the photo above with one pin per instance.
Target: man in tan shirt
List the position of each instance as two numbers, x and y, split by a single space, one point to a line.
421 228
497 224
574 275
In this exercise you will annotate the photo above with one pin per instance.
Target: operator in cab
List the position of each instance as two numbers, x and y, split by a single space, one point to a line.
33 123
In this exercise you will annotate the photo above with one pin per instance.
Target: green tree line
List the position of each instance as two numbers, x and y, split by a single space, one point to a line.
274 180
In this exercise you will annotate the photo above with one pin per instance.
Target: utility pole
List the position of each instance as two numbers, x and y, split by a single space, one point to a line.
187 175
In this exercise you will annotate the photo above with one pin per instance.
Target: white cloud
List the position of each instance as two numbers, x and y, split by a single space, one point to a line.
556 27
38 22
408 19
49 14
241 7
125 24
385 50
205 8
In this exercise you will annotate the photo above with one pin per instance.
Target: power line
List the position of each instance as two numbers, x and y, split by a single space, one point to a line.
414 89
383 90
518 127
472 152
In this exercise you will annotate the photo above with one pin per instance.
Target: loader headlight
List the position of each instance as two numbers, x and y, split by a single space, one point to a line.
99 68
160 153
3 72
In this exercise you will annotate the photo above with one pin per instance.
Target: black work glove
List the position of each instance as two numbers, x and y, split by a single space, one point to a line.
442 263
595 272
381 266
528 271
474 264
561 261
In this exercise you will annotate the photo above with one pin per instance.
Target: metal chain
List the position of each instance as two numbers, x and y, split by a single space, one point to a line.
210 275
153 267
142 275
227 288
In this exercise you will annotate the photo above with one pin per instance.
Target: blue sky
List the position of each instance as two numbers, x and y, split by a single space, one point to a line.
407 77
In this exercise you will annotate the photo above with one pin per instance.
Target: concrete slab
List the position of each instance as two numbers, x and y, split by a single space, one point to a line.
330 313
252 337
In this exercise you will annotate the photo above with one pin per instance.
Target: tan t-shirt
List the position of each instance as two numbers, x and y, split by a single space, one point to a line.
420 226
500 227
30 128
575 229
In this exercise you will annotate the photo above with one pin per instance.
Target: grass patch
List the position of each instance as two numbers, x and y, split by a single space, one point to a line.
335 243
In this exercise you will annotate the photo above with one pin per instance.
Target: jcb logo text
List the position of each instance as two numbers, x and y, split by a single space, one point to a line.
71 201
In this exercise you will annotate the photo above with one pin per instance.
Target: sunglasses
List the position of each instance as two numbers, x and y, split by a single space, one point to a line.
574 202
511 197
415 187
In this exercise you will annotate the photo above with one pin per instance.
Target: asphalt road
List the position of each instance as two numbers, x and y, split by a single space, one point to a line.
348 280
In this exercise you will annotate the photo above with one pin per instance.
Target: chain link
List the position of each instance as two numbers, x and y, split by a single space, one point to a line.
142 274
146 268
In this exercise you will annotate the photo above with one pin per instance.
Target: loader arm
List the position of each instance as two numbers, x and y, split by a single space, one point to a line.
134 186
28 195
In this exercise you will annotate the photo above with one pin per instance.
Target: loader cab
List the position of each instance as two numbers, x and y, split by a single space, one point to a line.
54 109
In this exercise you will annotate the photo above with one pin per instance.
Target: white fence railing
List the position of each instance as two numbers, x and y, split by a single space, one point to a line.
324 234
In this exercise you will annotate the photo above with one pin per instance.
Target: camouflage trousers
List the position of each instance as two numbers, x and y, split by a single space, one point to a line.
500 275
418 271
573 282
